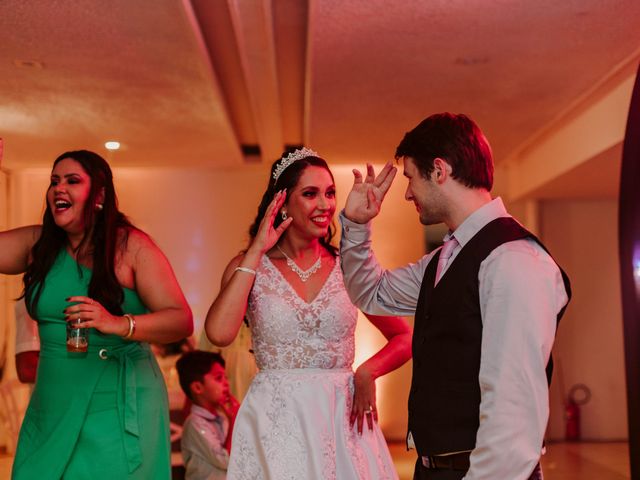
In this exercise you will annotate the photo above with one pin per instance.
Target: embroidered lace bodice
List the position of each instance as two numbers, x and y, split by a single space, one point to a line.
291 333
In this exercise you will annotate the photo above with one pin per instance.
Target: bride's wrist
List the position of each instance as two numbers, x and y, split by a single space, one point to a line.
251 258
364 373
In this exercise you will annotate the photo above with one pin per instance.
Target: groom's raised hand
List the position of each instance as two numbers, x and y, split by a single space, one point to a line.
365 198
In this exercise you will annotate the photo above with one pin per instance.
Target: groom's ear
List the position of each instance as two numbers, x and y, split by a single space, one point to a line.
441 170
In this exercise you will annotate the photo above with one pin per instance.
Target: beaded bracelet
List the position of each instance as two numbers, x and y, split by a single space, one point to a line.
132 325
245 270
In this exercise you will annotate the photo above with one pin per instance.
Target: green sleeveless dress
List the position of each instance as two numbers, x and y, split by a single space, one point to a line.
102 414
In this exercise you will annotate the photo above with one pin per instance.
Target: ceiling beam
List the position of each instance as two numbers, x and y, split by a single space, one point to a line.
590 128
204 44
221 47
253 26
291 26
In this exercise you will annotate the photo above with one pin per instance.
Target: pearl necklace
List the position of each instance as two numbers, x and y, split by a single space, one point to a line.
303 274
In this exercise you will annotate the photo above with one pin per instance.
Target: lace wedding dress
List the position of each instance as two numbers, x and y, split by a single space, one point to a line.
294 421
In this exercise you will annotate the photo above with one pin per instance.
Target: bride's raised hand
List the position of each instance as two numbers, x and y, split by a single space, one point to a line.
227 311
267 235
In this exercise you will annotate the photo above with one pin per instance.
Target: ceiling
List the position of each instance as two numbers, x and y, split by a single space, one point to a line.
223 83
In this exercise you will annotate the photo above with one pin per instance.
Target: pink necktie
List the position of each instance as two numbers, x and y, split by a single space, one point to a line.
445 255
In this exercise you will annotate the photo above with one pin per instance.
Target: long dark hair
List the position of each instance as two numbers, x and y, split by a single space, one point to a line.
101 237
289 179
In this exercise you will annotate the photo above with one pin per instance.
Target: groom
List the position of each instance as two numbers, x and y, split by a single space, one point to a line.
486 307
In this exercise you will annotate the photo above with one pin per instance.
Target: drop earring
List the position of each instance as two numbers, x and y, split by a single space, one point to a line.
283 214
99 206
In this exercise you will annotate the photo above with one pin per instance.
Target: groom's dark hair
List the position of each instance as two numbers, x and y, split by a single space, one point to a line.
455 139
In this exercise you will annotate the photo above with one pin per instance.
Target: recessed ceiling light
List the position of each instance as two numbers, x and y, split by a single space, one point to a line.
112 145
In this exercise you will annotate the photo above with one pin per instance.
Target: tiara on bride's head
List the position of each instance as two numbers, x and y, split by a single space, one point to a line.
292 157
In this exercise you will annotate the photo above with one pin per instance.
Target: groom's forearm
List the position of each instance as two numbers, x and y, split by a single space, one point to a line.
371 288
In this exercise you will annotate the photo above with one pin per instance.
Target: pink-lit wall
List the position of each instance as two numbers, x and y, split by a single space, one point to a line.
583 236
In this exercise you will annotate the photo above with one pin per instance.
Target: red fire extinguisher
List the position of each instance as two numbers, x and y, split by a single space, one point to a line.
578 395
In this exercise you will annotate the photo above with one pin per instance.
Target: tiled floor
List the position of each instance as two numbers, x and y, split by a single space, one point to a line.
563 461
587 461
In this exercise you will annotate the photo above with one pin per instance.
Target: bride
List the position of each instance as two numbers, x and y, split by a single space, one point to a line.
306 414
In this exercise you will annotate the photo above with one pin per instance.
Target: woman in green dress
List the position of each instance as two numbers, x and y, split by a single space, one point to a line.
101 413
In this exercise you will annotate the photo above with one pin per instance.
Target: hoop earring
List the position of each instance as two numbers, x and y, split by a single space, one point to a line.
283 214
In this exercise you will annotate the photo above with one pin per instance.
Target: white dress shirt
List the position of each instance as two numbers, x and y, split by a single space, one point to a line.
521 294
203 436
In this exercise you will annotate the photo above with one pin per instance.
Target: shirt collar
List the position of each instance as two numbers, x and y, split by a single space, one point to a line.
199 411
477 220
